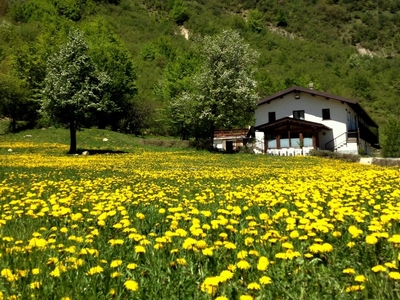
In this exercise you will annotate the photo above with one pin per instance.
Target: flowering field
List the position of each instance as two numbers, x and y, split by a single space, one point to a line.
194 225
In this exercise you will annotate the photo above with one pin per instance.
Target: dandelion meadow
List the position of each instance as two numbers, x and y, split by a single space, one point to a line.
195 225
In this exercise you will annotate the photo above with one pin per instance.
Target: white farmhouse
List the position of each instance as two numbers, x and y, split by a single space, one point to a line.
296 120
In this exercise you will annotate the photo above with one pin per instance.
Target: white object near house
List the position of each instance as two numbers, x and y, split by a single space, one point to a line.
296 120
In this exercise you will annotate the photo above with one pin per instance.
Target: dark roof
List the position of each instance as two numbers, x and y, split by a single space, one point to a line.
297 89
289 120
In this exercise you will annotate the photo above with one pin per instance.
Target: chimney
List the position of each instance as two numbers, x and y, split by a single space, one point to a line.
311 86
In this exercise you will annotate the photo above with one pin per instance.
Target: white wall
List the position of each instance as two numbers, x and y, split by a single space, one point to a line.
312 106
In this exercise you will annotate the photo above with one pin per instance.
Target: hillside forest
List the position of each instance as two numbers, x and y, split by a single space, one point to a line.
149 49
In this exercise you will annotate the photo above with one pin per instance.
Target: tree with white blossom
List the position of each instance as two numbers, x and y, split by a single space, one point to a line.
74 89
224 92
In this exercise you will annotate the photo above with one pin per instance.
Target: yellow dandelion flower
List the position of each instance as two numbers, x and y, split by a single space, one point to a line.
394 275
221 298
354 231
225 275
35 271
263 263
378 268
140 216
242 254
349 271
253 286
265 280
209 284
360 278
131 266
248 241
140 249
354 288
201 244
35 285
207 252
231 267
351 244
246 297
254 252
181 261
131 285
371 239
391 265
230 245
116 263
52 260
294 234
243 265
287 245
95 270
395 239
115 274
56 272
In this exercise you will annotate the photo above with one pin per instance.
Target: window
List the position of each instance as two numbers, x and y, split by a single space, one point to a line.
298 114
271 117
326 114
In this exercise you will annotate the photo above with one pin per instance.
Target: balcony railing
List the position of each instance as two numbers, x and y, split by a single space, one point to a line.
230 133
341 140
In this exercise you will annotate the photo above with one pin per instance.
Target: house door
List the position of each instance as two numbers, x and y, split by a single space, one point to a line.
229 146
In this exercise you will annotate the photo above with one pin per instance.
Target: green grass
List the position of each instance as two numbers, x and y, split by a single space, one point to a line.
56 141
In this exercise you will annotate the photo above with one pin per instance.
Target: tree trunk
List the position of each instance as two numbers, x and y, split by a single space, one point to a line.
72 135
13 124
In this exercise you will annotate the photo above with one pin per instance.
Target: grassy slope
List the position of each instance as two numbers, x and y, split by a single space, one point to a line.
55 141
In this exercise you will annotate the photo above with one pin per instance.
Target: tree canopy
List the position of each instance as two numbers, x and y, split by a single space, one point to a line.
224 91
74 89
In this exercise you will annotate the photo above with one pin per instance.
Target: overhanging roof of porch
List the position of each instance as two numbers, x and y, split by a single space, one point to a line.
352 103
288 122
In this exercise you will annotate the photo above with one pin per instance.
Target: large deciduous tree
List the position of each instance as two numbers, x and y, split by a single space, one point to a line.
224 92
73 87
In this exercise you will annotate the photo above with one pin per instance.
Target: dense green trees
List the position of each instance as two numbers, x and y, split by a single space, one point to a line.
110 55
391 139
179 12
14 101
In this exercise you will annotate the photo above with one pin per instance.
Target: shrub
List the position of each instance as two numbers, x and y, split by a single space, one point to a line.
391 140
335 155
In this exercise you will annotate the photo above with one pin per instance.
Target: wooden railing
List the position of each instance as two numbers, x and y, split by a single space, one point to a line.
230 133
